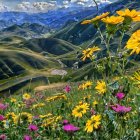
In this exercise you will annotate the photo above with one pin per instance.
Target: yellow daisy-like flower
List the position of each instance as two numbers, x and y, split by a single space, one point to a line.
24 117
100 17
38 105
13 100
101 87
26 96
88 53
10 116
128 13
85 85
93 123
134 43
97 18
80 110
88 84
113 20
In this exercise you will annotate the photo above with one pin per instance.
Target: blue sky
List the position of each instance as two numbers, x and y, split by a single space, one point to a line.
43 5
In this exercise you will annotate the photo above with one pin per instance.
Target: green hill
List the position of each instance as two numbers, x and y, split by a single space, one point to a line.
49 45
23 61
26 30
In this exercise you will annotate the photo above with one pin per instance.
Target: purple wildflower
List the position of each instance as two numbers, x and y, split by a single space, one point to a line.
67 89
93 112
3 106
33 127
70 128
120 96
3 137
65 122
121 109
26 137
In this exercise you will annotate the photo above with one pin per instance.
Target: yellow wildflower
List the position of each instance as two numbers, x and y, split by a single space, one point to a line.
100 17
93 123
97 18
47 122
85 85
56 97
86 22
128 13
134 43
26 96
101 87
45 116
38 105
88 53
80 110
13 100
24 117
10 116
88 84
113 20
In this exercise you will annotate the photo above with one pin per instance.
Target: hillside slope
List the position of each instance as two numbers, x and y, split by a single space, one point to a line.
24 60
79 34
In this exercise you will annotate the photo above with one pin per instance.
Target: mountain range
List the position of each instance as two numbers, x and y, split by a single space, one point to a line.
52 19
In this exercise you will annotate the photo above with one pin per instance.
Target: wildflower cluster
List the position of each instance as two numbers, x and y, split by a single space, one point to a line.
82 114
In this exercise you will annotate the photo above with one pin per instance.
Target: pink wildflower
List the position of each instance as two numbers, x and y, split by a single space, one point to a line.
65 122
120 96
26 137
93 112
67 89
33 127
121 109
3 106
70 128
3 137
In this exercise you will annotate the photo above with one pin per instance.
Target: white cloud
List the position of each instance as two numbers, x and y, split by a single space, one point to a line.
43 6
3 8
36 6
24 6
